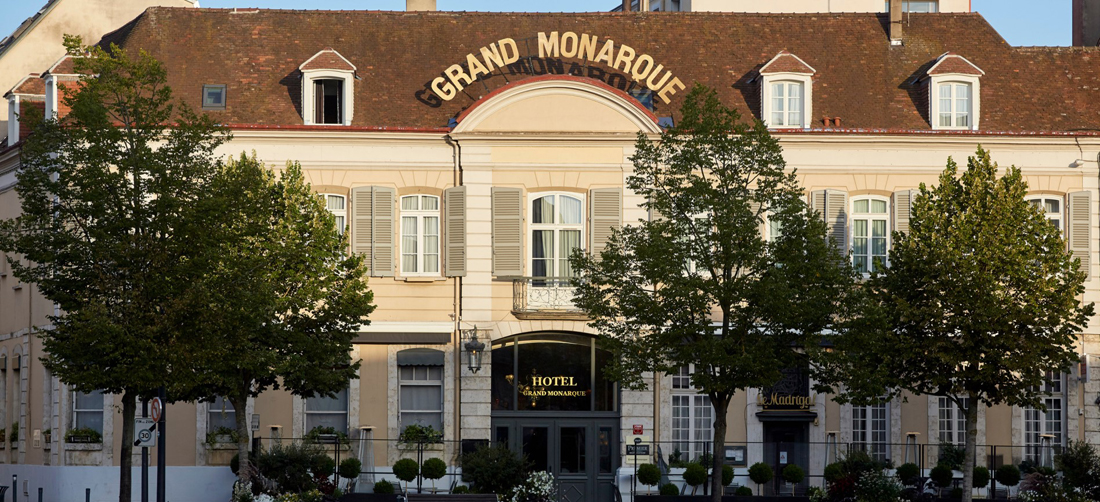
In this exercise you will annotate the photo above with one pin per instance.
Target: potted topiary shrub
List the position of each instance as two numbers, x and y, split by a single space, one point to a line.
793 475
493 469
727 475
743 491
908 474
981 477
433 469
669 490
942 475
1008 475
383 487
649 475
695 475
350 469
406 470
761 474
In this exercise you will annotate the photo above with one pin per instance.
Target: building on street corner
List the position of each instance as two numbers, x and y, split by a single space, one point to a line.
469 153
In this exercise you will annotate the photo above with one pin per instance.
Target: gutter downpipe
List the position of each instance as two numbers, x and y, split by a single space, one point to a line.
456 154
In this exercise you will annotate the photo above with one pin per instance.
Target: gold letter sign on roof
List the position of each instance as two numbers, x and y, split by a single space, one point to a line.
641 67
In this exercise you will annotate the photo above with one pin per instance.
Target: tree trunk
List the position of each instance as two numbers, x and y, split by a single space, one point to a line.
129 411
721 407
243 437
971 448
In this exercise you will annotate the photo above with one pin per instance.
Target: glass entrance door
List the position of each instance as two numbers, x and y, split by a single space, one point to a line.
581 453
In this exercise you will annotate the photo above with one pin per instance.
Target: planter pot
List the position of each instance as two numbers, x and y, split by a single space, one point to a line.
368 497
80 439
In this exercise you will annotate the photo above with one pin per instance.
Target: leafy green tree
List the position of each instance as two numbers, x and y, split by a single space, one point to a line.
105 192
279 297
699 284
979 304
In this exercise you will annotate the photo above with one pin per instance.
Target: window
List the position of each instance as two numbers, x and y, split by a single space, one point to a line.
1052 207
88 410
328 95
556 228
955 102
917 6
421 396
213 97
324 411
692 417
337 205
1038 423
419 234
220 413
952 421
870 233
870 430
786 100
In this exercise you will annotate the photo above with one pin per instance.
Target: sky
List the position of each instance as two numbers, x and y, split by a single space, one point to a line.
1021 22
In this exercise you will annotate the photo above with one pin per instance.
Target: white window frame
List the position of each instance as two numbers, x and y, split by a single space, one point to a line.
955 420
870 218
1052 421
906 6
1058 216
871 430
76 411
556 227
698 435
338 214
420 215
402 382
975 100
216 407
347 98
346 411
766 109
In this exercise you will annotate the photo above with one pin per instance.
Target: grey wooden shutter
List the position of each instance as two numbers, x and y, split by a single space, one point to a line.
605 215
382 205
833 206
507 231
361 222
903 209
1080 242
454 216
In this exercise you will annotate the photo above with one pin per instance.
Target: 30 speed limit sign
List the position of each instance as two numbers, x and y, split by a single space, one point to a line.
145 435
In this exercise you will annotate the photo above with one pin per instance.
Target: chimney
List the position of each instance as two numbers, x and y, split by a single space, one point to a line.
1086 23
419 5
895 22
626 5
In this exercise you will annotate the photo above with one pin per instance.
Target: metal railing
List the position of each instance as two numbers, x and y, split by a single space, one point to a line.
543 294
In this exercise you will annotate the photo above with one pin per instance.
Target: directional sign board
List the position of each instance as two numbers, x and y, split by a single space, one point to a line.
144 434
641 449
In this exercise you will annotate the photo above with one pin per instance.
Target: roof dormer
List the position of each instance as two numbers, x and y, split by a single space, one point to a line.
28 96
954 93
328 81
64 70
786 92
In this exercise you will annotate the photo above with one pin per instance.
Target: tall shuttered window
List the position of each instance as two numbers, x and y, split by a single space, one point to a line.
557 225
692 417
1050 422
952 421
871 431
870 233
1051 207
420 235
338 206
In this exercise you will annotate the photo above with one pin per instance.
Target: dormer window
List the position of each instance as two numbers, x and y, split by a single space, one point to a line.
954 93
328 81
786 92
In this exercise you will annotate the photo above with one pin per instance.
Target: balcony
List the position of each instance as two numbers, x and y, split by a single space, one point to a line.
544 298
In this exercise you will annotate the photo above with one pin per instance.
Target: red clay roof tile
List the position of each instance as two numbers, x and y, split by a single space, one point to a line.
954 64
785 62
327 59
31 84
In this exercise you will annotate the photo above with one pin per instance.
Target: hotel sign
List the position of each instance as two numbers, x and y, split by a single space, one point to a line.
504 52
557 386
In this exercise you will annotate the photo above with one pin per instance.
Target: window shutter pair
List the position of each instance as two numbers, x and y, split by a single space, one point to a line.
373 228
605 207
1078 205
833 206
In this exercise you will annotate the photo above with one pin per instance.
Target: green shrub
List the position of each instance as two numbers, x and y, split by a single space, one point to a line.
761 474
695 475
1008 475
908 474
82 435
727 475
981 477
433 468
212 436
676 459
649 475
669 489
942 475
289 465
461 489
956 493
323 465
416 433
350 468
383 487
833 472
14 435
793 474
315 435
1080 466
493 469
743 491
952 456
406 469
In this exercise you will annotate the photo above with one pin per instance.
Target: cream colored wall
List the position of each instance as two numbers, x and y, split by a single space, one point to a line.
783 6
41 46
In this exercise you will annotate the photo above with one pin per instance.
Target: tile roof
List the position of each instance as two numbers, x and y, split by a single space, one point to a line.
954 64
861 78
31 84
327 59
64 66
785 62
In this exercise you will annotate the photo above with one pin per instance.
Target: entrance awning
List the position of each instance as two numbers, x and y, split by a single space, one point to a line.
786 416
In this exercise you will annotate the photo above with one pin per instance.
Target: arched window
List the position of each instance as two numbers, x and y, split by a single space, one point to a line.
557 224
337 205
870 232
1050 205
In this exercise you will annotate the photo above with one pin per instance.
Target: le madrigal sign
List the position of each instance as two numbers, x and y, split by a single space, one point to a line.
621 57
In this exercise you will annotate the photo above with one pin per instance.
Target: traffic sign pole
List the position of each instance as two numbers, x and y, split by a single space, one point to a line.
144 457
162 436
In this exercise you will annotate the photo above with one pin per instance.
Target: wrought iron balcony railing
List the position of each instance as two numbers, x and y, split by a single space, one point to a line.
543 295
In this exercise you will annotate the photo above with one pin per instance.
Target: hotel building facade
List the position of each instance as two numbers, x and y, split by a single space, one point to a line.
468 153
